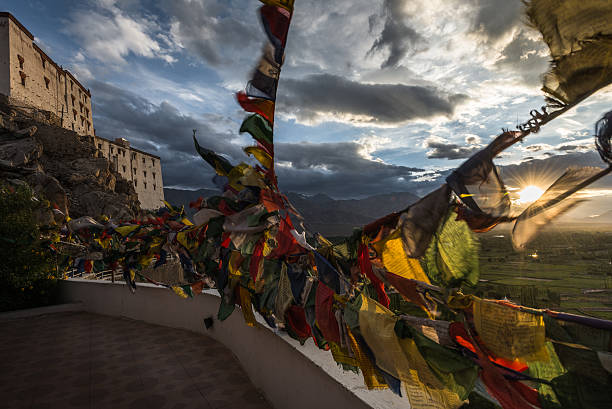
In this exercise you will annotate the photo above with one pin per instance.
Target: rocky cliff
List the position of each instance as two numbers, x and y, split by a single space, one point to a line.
60 165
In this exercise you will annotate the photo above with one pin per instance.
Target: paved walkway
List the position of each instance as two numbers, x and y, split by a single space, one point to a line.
81 360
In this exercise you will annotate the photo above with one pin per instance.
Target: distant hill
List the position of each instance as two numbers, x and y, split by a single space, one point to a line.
332 217
182 197
322 213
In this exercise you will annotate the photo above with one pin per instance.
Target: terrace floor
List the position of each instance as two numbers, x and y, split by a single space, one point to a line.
82 360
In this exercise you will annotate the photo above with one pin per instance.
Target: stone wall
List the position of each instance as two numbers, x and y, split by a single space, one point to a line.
4 56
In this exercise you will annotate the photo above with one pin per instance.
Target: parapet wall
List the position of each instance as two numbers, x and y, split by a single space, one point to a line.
276 365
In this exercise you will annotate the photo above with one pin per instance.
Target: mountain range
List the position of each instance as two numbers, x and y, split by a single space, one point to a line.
322 214
337 217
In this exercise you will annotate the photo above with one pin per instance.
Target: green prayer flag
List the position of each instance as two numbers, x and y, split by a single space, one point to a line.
457 372
547 370
221 165
259 129
452 256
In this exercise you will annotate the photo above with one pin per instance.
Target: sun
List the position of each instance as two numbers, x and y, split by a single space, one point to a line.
529 194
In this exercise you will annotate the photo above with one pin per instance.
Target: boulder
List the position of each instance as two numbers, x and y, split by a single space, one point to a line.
48 187
21 152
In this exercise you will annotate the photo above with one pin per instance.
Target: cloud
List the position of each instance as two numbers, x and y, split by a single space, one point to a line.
207 28
108 34
341 169
536 148
526 56
472 139
338 169
442 149
495 18
323 97
161 129
575 148
396 36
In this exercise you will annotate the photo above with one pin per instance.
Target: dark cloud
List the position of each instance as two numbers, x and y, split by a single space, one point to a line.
161 130
443 150
527 57
205 29
396 36
323 97
495 18
536 148
569 148
472 139
339 170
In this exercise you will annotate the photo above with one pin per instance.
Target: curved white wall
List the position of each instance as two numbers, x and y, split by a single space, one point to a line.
275 364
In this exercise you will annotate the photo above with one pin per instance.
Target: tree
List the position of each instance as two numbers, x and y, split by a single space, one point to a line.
27 265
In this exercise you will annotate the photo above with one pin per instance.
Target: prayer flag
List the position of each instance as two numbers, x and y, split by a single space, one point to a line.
579 36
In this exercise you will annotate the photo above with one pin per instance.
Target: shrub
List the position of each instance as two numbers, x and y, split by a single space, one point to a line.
27 266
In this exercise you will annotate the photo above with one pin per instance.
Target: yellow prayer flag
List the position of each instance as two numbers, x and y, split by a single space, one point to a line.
234 263
395 260
262 156
370 376
402 359
510 333
125 230
179 291
247 308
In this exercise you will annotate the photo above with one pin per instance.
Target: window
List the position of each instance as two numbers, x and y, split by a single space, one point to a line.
88 125
154 187
153 175
23 77
123 168
81 107
123 153
21 60
71 88
74 114
100 146
135 183
143 159
134 157
87 112
112 149
134 170
44 63
153 163
72 97
145 185
145 173
47 82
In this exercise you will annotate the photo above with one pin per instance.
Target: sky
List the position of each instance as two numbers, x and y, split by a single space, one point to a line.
375 96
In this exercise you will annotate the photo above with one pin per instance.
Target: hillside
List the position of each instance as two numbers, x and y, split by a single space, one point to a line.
60 165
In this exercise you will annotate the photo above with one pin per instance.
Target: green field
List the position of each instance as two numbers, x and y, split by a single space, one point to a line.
572 271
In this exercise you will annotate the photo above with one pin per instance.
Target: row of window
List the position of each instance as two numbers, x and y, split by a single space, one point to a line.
47 81
145 185
136 171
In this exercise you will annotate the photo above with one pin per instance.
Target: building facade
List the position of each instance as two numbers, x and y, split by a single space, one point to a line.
141 168
29 78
